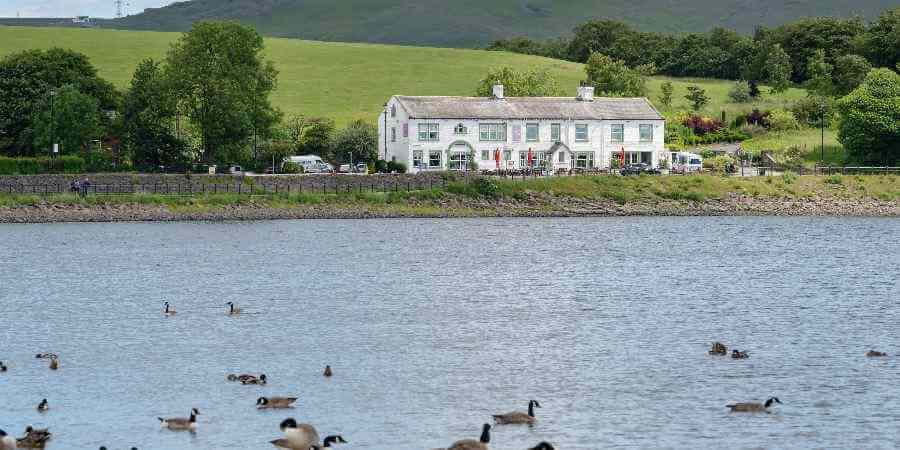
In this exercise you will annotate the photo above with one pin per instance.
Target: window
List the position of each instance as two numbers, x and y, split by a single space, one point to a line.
617 133
458 161
532 132
539 158
460 129
393 110
562 157
554 132
429 132
581 132
584 160
507 155
517 133
434 159
495 132
393 134
646 133
417 158
486 155
406 130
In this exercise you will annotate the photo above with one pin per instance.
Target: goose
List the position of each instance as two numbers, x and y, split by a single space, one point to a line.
296 436
181 423
34 438
6 442
169 310
543 446
518 417
261 380
275 402
327 371
103 447
46 355
43 406
242 377
329 440
753 407
719 349
232 311
2 367
54 364
472 444
875 354
737 354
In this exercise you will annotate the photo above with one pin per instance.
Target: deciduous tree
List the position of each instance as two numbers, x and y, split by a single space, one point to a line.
519 83
870 125
148 113
613 78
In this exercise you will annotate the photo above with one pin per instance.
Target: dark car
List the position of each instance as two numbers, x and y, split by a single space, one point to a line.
637 169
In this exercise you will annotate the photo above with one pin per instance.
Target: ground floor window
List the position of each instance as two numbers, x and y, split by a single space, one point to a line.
638 157
584 160
458 161
434 159
417 158
562 157
507 155
538 161
486 155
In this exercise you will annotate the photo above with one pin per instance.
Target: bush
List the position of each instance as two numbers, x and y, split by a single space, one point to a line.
739 92
35 166
394 166
72 164
752 130
95 162
702 125
291 167
789 177
758 118
486 187
808 111
834 179
381 166
781 120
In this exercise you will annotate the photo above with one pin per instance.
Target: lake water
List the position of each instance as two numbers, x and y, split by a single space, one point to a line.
431 326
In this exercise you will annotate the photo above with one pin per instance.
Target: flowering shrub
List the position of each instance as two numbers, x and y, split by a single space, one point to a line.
702 125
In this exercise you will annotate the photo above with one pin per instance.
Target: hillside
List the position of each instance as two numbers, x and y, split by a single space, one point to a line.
469 23
340 80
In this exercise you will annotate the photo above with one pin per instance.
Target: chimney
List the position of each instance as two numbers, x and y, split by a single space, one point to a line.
498 91
585 93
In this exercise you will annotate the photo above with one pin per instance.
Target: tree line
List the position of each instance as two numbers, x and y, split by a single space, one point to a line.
207 101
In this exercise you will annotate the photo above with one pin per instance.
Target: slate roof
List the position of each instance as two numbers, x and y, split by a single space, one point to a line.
553 108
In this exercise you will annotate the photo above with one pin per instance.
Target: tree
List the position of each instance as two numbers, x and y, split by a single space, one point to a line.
223 83
148 116
849 72
665 95
881 42
697 97
739 92
519 83
360 138
613 78
870 128
596 36
26 81
318 137
818 73
75 122
802 38
778 65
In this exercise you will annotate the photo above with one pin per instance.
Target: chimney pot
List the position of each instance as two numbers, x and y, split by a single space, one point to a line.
585 93
498 91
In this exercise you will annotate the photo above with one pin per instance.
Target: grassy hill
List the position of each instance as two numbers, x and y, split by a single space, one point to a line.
467 23
339 80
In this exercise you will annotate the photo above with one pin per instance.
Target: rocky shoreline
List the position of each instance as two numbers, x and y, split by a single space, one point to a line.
536 205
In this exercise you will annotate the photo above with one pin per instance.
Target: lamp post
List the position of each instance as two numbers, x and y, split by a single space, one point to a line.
52 124
385 131
822 108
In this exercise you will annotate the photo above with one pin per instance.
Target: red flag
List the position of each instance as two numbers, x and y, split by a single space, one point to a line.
623 156
497 157
530 158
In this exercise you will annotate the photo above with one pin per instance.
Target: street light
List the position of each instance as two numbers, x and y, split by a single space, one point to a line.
822 108
52 123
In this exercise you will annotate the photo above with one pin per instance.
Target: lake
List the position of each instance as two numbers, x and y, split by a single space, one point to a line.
431 326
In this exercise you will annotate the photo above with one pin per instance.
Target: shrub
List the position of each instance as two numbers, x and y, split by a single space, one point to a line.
790 156
8 166
789 177
291 167
32 166
381 166
718 163
752 130
758 118
486 187
834 179
809 110
394 166
72 164
95 162
781 120
702 125
739 92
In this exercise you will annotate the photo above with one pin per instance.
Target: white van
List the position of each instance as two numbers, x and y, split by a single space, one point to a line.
311 163
685 162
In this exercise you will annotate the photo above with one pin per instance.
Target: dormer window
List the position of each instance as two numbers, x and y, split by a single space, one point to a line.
460 129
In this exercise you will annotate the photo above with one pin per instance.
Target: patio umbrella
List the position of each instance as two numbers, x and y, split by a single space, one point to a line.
623 156
530 158
497 157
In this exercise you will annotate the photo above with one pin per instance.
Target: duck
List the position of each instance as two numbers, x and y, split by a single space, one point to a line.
54 364
43 406
232 311
34 438
261 380
328 372
242 377
472 444
875 354
46 355
518 417
753 407
737 354
297 435
543 446
2 367
275 402
329 441
169 310
7 442
719 349
181 423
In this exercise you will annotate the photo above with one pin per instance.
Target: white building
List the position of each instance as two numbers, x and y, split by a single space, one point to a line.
442 133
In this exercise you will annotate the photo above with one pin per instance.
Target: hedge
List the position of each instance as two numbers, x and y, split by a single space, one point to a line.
35 166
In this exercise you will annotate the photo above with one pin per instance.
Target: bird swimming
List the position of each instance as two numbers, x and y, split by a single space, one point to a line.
169 310
43 406
472 444
297 436
328 372
7 442
232 311
875 354
275 402
518 417
46 356
2 367
753 407
329 441
543 446
261 380
181 423
34 438
719 349
737 354
54 364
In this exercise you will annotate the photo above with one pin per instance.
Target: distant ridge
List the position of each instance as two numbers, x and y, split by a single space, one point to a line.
471 23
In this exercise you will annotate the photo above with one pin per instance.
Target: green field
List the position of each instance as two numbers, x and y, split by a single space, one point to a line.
346 81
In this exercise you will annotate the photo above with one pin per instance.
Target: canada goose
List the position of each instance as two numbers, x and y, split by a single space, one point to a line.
6 442
518 417
54 364
275 402
46 356
169 310
472 444
34 438
43 406
737 354
261 380
753 407
335 439
718 348
2 367
327 371
297 436
543 446
875 354
181 423
232 311
103 447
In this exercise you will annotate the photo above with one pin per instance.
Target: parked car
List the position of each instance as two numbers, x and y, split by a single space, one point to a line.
362 168
344 168
638 168
311 163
